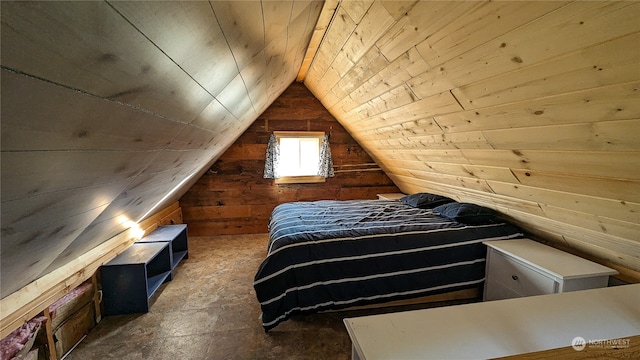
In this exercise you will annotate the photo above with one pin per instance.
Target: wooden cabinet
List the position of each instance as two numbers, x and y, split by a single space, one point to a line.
523 267
176 236
58 328
131 278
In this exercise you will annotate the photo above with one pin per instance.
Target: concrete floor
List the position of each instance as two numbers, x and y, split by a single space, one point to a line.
209 311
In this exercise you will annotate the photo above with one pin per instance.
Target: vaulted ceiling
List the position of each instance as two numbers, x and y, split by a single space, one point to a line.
111 110
530 108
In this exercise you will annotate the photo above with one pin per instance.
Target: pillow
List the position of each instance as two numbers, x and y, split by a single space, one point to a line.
467 213
425 200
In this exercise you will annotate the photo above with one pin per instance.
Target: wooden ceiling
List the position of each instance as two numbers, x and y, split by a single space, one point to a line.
530 108
111 110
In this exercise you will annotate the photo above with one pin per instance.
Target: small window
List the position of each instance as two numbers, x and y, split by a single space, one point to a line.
299 157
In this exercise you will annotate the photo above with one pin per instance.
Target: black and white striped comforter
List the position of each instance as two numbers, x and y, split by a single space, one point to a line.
335 254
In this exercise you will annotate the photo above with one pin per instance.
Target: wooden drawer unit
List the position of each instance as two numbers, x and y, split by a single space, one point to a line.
523 267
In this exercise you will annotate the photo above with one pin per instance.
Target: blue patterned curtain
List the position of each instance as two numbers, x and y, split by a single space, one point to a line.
273 158
325 168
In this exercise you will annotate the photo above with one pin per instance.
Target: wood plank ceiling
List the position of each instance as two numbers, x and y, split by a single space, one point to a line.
530 108
113 109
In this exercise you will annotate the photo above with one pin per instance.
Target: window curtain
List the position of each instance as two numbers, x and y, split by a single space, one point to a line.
272 159
325 167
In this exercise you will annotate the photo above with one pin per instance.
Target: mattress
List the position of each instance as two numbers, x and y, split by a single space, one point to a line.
326 255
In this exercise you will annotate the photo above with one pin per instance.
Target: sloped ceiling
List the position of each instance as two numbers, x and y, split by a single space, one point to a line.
112 109
530 108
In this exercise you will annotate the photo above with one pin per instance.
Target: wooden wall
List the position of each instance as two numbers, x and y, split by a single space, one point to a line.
233 197
110 109
530 108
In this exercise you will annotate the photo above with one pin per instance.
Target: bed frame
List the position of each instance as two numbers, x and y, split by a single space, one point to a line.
458 295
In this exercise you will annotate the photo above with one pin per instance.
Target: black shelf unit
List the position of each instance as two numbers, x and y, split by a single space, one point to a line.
176 236
131 278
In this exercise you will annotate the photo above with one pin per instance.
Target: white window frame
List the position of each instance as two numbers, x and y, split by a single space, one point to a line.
300 134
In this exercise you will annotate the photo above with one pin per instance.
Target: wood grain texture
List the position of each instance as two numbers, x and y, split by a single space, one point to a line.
112 110
190 35
233 197
115 108
87 47
326 14
528 108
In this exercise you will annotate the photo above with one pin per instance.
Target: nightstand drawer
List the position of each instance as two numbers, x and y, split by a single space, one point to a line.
518 277
497 291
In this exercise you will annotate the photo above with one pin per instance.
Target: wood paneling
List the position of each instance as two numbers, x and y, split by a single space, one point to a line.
111 110
328 9
233 197
530 108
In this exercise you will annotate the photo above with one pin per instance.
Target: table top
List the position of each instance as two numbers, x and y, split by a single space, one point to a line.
499 328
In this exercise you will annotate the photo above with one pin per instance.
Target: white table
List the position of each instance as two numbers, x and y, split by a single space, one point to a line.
498 328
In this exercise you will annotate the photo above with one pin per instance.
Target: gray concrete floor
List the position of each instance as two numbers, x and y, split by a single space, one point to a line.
209 311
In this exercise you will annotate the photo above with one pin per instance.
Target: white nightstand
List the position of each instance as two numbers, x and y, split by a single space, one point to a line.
523 267
391 196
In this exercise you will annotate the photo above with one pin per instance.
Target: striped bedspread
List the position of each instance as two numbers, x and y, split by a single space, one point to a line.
335 254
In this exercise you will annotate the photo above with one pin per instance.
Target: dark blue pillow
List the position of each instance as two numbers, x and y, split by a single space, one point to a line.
467 213
425 200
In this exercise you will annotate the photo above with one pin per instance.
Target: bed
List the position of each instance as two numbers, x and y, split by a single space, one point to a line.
329 255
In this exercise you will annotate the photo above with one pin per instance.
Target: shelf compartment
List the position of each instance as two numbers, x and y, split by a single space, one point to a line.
131 278
176 235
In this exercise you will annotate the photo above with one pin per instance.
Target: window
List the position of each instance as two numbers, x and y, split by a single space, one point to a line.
299 157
